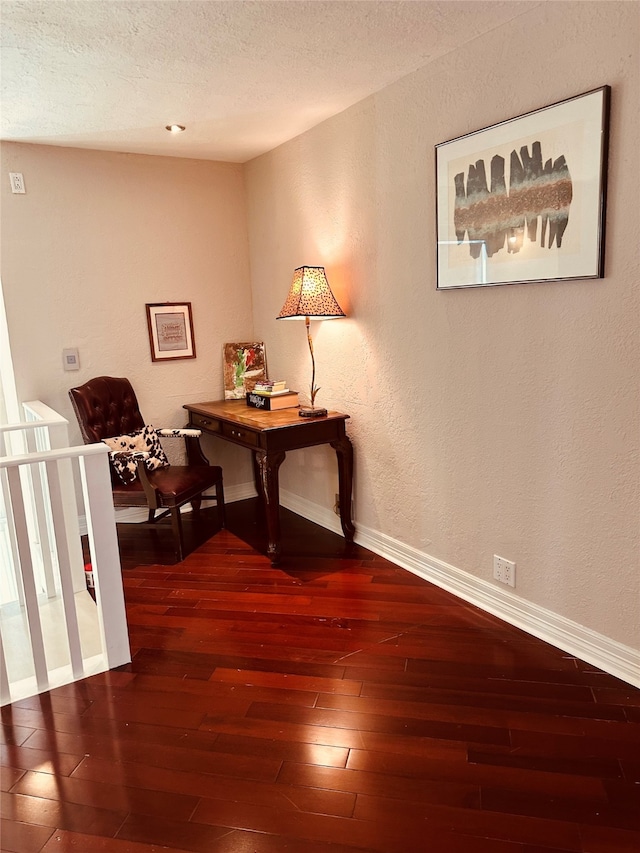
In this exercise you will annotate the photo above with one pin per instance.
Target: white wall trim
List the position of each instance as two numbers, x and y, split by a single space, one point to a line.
615 658
311 511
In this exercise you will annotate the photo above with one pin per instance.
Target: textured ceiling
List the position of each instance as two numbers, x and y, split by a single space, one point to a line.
243 76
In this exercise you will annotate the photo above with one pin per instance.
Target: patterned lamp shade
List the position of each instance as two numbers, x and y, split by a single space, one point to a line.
310 296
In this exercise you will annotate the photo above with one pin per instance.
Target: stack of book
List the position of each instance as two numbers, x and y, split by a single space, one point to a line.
268 386
272 395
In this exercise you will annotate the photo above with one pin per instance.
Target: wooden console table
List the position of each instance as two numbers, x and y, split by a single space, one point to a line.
269 435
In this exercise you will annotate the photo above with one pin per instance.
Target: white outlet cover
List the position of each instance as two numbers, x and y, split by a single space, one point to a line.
504 571
17 182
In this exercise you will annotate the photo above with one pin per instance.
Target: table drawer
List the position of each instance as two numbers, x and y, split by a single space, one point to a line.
240 435
205 423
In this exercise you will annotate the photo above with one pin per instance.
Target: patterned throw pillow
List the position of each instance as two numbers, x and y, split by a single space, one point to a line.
127 449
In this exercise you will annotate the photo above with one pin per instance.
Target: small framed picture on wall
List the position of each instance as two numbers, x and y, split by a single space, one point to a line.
170 330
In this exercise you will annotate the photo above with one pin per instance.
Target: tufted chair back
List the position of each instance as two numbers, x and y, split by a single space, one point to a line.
105 407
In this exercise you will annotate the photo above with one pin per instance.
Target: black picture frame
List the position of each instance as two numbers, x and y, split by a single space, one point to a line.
170 326
524 200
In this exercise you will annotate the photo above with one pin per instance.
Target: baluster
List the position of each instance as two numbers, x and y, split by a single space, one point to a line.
31 611
64 563
38 492
5 689
59 438
13 545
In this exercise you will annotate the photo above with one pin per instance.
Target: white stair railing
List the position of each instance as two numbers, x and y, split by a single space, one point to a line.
50 603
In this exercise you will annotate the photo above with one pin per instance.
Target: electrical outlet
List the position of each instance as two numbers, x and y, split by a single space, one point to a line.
504 570
17 182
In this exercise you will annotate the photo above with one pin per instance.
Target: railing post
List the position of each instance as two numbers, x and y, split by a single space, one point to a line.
103 542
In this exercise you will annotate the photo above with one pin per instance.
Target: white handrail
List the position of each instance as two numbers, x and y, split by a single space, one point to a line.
25 425
36 410
98 449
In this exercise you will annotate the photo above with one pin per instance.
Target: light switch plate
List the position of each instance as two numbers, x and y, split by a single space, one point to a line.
71 359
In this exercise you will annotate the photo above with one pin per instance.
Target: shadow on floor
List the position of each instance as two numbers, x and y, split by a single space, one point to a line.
300 538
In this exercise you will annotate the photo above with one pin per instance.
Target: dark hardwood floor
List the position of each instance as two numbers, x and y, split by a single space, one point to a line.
335 704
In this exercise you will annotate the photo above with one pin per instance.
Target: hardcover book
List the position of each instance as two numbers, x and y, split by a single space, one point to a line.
270 393
270 404
270 385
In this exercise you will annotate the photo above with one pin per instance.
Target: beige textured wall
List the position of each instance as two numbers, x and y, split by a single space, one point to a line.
498 420
96 236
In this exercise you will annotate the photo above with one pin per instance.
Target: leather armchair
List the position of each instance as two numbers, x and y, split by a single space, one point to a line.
107 407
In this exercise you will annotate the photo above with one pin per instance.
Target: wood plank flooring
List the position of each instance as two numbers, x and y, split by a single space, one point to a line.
335 704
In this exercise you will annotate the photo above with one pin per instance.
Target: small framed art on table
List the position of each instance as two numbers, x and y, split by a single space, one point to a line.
244 364
524 200
170 330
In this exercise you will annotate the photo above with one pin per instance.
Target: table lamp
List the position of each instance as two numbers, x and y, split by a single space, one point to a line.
310 296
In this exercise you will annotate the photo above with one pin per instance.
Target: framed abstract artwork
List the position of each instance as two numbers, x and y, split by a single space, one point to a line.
524 200
170 327
244 364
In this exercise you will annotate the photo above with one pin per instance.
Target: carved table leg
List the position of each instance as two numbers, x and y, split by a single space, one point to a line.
257 479
344 452
268 466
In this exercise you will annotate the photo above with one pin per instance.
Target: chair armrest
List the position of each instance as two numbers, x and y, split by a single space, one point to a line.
129 454
191 437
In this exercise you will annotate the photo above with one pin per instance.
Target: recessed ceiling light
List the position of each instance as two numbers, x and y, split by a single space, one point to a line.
175 128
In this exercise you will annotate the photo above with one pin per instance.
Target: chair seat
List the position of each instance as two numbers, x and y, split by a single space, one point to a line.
176 485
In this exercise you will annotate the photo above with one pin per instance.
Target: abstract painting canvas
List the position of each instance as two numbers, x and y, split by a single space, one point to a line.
244 365
524 200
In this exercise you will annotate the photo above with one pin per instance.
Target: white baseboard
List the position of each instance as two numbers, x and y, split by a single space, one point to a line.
311 511
615 658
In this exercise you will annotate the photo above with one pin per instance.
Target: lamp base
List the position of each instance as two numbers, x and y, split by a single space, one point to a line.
312 413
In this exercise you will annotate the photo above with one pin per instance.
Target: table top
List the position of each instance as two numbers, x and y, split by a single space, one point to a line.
237 412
